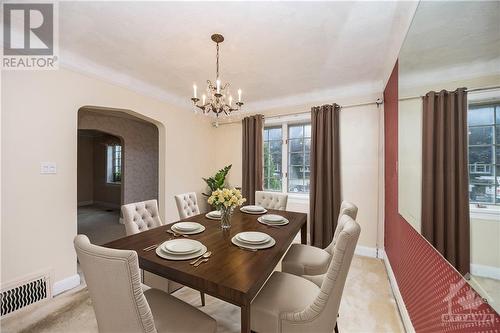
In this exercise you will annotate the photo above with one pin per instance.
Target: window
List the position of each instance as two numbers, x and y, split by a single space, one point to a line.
114 163
299 146
484 154
287 169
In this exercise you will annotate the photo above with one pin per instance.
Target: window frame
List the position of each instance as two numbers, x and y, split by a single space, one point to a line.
112 164
285 123
494 145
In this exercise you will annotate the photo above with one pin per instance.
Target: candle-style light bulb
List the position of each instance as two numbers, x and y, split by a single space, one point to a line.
203 98
230 100
218 86
239 95
194 90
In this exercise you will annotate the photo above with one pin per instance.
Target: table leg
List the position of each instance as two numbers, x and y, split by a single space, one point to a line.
303 233
245 318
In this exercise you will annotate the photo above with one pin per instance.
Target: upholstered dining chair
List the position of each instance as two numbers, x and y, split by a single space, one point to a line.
289 303
187 205
142 216
121 305
271 200
303 259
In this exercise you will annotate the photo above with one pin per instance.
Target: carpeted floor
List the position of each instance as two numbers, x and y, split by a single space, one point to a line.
367 306
100 224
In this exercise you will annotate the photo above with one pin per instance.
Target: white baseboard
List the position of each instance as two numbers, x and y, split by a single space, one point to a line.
366 251
403 312
65 284
491 272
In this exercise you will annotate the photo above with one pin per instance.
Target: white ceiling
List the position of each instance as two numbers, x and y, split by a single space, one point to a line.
450 41
272 50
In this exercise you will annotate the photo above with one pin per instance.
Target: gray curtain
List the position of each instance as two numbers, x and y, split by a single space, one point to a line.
325 174
445 177
252 156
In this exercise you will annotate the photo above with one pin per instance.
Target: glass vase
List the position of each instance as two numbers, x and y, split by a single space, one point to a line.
226 214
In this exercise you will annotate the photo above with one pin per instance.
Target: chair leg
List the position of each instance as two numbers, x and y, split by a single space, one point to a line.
202 296
336 328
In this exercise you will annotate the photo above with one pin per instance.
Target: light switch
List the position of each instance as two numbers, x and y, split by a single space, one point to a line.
47 168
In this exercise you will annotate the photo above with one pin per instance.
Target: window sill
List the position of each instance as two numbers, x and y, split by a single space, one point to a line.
114 183
488 213
298 197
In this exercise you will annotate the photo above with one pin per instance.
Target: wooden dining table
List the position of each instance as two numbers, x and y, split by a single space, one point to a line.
232 274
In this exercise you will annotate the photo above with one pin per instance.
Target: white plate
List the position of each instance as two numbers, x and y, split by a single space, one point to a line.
213 215
187 226
253 237
181 246
201 228
242 209
254 208
165 255
265 245
284 222
272 218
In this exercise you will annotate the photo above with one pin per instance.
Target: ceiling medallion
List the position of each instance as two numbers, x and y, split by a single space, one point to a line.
218 98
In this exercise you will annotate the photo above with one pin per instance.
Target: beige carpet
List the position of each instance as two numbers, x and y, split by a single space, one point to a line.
100 224
367 306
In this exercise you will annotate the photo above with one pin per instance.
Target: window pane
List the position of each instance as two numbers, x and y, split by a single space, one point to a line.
296 159
296 145
497 153
295 131
307 144
275 133
480 115
481 193
481 174
498 185
481 135
498 115
265 134
275 147
481 155
498 131
295 172
296 185
307 130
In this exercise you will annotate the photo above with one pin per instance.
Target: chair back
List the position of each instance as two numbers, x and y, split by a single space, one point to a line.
187 205
321 316
346 208
114 284
271 200
141 216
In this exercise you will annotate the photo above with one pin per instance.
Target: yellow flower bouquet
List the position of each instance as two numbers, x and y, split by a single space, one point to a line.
226 200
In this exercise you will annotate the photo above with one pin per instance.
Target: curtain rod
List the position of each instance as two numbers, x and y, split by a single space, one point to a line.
467 90
377 102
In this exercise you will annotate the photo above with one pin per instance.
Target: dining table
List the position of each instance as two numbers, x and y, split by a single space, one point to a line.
232 274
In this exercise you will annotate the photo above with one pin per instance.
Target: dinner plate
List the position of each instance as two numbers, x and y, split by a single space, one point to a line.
254 208
284 222
242 209
187 226
272 218
253 237
165 255
213 215
181 246
200 228
270 243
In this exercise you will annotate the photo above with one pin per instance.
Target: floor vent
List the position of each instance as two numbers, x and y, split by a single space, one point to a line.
24 294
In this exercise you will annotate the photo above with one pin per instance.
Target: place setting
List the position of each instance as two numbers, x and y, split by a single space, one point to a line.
182 249
214 215
273 220
253 240
253 209
186 228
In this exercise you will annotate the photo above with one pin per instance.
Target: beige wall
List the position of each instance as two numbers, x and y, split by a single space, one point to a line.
360 158
140 154
485 242
39 124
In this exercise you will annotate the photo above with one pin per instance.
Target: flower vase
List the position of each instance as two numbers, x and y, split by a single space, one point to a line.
226 214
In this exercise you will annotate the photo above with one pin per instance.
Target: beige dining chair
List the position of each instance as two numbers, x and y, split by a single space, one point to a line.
121 305
187 205
142 216
292 304
271 200
304 259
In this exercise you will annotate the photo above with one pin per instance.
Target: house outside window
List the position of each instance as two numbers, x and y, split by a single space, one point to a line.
114 164
484 154
286 157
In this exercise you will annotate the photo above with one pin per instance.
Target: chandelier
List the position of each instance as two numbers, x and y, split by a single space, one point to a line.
218 98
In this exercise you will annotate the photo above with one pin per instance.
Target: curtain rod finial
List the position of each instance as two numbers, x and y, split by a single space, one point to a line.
379 102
